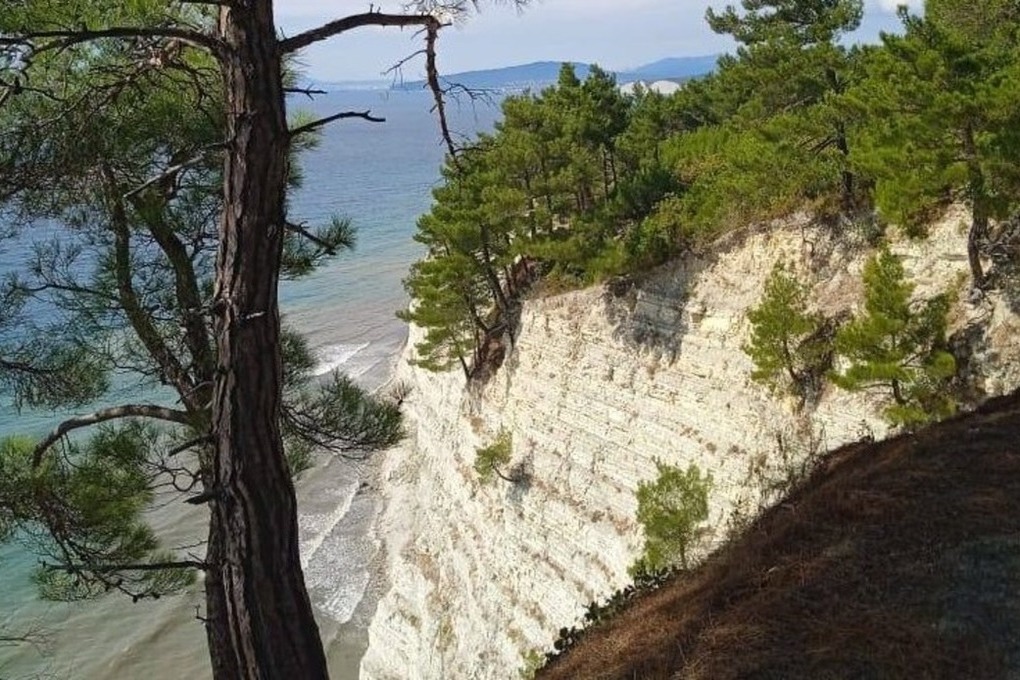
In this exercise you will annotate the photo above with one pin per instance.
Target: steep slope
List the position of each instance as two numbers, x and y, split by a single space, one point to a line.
601 383
894 560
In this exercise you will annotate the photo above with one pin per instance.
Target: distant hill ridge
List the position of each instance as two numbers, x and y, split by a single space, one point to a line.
540 73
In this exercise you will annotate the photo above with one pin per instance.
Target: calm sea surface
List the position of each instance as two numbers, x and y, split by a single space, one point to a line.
379 175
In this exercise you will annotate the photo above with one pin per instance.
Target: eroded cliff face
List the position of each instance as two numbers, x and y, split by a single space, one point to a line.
602 383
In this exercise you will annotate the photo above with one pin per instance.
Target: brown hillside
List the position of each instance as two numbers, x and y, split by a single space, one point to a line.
898 559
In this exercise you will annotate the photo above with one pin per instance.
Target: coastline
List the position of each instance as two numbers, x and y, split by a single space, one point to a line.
342 556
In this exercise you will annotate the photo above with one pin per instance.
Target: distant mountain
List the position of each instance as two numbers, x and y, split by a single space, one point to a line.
541 73
534 75
671 68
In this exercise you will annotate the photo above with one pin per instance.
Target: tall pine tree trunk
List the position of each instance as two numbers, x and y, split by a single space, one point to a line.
843 146
267 627
847 176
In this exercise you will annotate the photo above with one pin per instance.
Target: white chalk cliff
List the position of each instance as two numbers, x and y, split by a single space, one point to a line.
599 385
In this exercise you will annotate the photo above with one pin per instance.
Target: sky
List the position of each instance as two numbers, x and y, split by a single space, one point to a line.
616 34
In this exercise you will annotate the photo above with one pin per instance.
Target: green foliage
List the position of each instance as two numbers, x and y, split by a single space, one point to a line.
733 177
298 359
671 510
304 253
447 303
533 660
490 459
84 511
788 354
339 416
898 345
800 22
543 187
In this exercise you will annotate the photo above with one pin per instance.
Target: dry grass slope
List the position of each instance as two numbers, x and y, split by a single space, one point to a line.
898 559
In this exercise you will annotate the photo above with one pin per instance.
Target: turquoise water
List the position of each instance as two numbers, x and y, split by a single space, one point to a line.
380 176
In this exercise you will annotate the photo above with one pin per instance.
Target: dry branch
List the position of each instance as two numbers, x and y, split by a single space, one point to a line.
315 124
352 22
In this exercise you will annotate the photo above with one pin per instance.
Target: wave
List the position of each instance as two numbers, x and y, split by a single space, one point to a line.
321 526
338 544
333 357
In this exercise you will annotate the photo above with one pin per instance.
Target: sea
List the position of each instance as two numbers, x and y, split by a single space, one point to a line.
380 175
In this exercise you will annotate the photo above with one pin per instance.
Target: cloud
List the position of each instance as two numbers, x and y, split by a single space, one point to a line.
890 6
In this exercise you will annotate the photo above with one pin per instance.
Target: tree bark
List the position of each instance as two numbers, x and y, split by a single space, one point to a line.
266 629
489 271
979 209
217 627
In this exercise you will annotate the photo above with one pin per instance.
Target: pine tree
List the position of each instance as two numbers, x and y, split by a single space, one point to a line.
943 120
790 61
462 290
898 345
448 304
671 510
539 188
788 354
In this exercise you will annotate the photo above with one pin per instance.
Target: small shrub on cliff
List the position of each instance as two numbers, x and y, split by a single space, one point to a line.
533 660
490 459
899 346
671 510
788 344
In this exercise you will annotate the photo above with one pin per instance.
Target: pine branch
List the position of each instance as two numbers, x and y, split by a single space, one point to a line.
62 39
101 416
432 74
397 67
22 367
428 23
174 169
140 318
110 568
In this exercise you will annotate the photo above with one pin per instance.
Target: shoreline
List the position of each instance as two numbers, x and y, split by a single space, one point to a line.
347 645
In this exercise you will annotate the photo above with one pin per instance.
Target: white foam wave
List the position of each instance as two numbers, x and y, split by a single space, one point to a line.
318 527
336 549
336 356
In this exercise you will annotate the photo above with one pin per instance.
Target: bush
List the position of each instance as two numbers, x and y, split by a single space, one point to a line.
489 459
533 661
671 510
